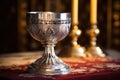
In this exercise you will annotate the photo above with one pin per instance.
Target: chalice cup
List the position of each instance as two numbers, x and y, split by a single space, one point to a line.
48 28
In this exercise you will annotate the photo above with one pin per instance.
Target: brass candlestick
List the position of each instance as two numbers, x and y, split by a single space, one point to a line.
94 50
76 50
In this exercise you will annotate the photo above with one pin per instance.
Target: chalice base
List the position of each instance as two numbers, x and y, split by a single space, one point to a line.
95 51
42 67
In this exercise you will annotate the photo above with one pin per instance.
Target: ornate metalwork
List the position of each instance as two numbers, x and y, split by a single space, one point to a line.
48 28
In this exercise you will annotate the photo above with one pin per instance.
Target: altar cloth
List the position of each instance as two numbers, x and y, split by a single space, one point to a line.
81 69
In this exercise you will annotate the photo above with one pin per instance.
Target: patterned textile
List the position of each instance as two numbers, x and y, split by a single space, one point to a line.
81 69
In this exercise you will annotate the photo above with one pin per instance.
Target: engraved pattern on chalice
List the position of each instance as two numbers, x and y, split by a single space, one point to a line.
48 28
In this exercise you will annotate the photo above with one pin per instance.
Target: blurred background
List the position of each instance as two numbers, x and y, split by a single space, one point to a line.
15 38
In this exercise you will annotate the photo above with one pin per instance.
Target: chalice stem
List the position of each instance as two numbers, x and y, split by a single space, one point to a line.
49 55
49 50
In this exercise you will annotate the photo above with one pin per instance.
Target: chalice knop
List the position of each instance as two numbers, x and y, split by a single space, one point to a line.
48 28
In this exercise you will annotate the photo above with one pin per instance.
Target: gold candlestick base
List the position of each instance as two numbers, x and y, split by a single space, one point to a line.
94 50
75 50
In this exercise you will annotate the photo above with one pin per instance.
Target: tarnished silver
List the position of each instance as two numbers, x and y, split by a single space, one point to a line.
48 28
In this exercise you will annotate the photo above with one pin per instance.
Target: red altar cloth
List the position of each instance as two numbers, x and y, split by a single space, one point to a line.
81 69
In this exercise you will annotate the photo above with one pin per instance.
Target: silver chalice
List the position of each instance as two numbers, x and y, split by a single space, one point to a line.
48 28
